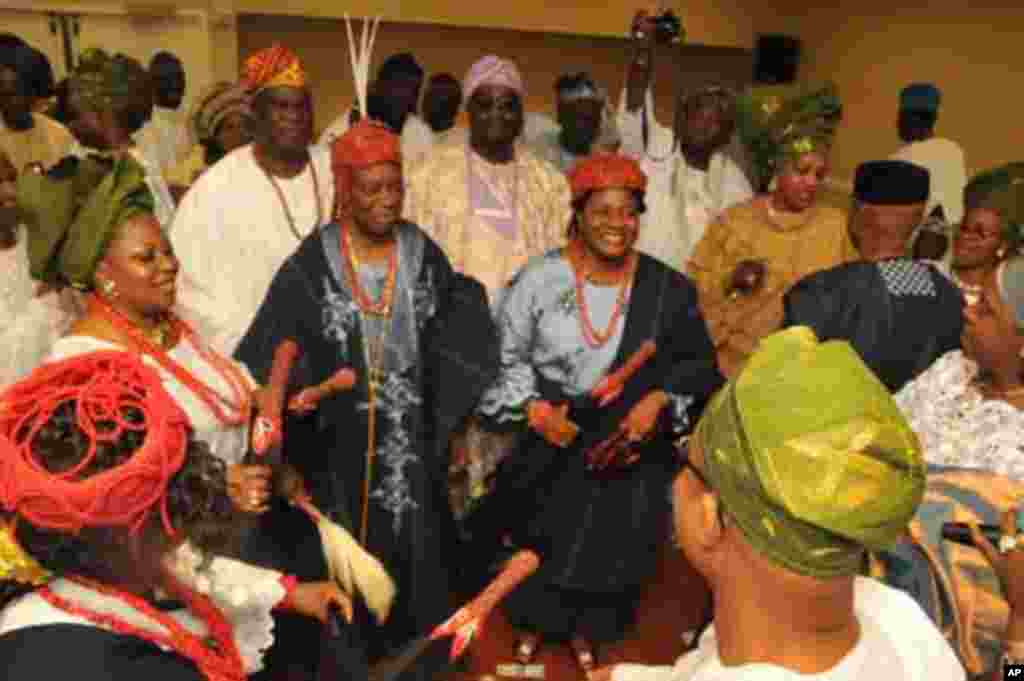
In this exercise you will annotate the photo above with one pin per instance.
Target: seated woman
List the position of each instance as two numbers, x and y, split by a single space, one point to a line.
967 408
102 487
753 254
585 489
218 126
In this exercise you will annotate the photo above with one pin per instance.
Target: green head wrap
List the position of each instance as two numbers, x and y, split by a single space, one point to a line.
810 455
778 123
1002 190
101 81
71 216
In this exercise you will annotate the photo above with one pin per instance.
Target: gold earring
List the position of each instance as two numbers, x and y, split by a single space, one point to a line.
108 288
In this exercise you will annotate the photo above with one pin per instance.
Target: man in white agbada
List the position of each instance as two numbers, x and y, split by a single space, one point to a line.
777 502
244 216
691 180
165 140
393 99
943 158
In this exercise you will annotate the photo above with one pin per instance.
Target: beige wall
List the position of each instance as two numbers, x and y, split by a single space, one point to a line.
873 48
322 45
708 22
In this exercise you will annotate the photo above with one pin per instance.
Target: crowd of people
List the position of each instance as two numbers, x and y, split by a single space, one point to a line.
576 338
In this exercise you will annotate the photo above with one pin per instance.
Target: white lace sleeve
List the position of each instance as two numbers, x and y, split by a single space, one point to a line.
959 427
246 594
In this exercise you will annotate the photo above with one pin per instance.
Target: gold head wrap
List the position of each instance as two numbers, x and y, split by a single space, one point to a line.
781 122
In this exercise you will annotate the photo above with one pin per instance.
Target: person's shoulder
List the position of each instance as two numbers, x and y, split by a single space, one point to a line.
411 230
88 652
896 616
78 342
946 144
539 271
536 164
745 211
225 171
902 613
417 125
837 276
831 215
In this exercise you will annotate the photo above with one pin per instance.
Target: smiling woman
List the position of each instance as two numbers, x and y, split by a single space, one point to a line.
571 320
113 250
750 257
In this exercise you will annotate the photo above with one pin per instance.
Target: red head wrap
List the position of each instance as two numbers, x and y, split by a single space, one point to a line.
365 144
275 66
606 171
103 386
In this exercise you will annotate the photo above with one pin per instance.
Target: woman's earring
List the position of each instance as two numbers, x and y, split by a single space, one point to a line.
108 288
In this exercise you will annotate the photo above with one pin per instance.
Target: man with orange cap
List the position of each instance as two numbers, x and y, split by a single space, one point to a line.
246 214
372 293
598 413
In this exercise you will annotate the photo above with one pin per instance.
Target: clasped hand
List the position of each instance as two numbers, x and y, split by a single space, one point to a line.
552 423
639 426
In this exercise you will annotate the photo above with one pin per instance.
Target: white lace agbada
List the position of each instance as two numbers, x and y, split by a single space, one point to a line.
960 427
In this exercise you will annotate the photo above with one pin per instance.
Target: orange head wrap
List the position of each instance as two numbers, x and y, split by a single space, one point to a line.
113 393
275 66
365 144
606 171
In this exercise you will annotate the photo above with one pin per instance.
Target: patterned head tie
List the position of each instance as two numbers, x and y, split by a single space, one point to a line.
492 70
102 81
115 396
810 455
216 104
72 212
275 66
781 123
